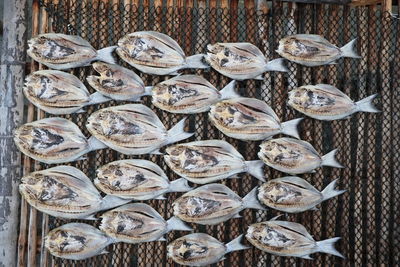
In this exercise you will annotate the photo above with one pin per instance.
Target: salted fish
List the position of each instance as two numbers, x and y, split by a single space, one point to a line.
294 156
241 61
156 53
212 204
136 179
313 50
326 102
201 249
138 223
133 129
284 238
60 51
294 194
208 161
249 119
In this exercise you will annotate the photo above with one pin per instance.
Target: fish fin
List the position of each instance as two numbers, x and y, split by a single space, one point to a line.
82 110
302 143
95 144
91 217
104 251
105 55
148 90
222 259
82 158
330 160
348 50
275 218
164 39
235 176
141 207
328 246
161 197
179 185
259 77
365 105
176 224
223 145
235 244
175 73
237 215
330 191
202 236
290 127
296 227
177 133
196 62
261 105
97 98
156 152
109 202
249 47
314 208
145 164
229 91
255 168
276 65
297 181
333 63
143 113
251 200
332 89
312 37
161 239
307 257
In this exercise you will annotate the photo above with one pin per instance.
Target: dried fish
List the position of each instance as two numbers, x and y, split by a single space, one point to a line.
133 129
288 239
136 179
313 50
137 223
201 249
326 102
212 204
208 161
293 194
294 156
65 192
54 140
241 61
76 241
189 94
156 53
249 119
60 51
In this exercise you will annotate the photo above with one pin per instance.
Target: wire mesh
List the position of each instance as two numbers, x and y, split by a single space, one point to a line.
365 216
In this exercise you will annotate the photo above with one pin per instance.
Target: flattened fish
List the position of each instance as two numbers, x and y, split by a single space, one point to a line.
133 129
65 192
76 241
313 50
60 51
294 156
53 140
156 53
212 204
189 94
249 119
241 61
58 92
326 102
208 161
138 223
136 179
288 239
201 249
293 194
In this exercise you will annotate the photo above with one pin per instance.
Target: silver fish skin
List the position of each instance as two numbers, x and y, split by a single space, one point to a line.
76 241
241 61
294 194
212 204
60 51
326 102
138 223
284 238
133 129
64 192
200 249
136 179
313 50
189 94
156 53
294 156
249 119
208 161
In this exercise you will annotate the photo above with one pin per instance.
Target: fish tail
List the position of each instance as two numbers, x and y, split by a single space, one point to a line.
328 246
330 191
177 133
235 244
180 185
196 62
276 65
229 91
290 127
330 160
174 223
105 55
110 202
148 90
255 168
366 104
97 98
95 144
349 49
250 201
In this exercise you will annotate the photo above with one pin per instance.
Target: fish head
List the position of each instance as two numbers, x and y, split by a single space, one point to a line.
191 158
102 68
117 177
299 97
60 241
